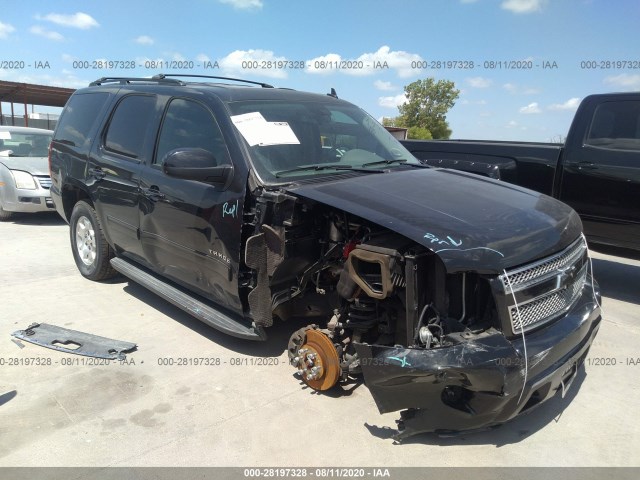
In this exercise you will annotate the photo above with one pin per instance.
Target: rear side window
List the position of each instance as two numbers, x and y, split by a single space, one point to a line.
616 125
79 117
189 124
128 126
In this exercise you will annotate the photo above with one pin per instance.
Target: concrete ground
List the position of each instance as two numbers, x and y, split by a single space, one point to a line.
240 413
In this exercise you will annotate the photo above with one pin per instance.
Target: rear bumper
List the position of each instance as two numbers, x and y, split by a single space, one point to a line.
480 383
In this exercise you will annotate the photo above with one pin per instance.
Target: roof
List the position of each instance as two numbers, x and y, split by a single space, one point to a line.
32 94
227 92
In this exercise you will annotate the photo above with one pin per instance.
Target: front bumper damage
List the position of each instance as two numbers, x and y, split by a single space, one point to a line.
480 382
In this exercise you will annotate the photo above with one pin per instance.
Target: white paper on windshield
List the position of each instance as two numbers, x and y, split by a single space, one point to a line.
257 131
5 135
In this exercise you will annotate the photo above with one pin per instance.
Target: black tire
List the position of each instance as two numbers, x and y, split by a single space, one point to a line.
90 249
4 215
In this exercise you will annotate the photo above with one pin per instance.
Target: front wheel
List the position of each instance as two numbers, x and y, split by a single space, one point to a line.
4 215
90 249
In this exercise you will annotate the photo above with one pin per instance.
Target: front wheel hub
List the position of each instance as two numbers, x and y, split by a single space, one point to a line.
315 357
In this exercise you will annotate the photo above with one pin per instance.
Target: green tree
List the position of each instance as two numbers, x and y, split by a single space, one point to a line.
419 133
425 111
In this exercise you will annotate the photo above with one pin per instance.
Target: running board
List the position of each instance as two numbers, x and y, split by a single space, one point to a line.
200 310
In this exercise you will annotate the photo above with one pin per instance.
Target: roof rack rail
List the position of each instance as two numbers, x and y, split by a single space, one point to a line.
162 76
127 80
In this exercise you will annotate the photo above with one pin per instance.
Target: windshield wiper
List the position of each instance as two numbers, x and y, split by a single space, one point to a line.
390 162
326 167
385 162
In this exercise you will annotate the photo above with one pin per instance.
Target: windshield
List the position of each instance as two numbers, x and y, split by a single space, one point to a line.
13 144
298 139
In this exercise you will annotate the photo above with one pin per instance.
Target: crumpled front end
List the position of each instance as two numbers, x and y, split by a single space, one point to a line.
459 336
549 315
481 382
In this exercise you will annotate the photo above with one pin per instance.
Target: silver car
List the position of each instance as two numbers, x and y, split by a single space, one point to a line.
24 171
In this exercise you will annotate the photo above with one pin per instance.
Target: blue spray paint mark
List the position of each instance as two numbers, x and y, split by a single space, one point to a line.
453 242
230 209
403 361
450 241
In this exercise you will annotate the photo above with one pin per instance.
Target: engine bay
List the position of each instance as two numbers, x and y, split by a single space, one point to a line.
361 284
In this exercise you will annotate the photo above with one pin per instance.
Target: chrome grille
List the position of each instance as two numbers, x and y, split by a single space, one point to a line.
544 290
546 307
523 277
44 181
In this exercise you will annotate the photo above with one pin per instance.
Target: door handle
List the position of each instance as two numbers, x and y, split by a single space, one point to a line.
586 166
153 194
97 173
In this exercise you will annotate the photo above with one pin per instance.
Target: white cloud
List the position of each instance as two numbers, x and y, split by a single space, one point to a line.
68 58
232 63
382 60
479 82
531 108
570 104
201 57
244 4
178 57
625 81
386 86
79 20
512 124
523 6
6 30
144 40
398 60
48 34
324 64
515 89
392 102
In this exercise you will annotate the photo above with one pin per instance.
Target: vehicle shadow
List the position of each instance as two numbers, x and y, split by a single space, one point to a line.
274 346
39 219
511 432
618 280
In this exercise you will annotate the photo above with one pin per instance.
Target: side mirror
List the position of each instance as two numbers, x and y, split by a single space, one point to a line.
196 164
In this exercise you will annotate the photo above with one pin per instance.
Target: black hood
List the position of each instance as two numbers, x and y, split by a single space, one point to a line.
471 222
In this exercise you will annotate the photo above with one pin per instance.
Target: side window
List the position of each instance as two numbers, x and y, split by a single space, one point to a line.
616 125
188 124
128 126
79 116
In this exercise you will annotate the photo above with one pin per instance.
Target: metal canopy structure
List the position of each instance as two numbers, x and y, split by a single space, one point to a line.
31 94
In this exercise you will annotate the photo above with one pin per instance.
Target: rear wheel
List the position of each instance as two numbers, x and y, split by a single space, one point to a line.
91 251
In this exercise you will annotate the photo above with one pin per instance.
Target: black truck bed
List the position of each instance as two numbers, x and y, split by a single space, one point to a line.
531 165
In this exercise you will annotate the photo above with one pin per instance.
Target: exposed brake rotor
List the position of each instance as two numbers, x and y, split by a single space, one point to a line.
315 357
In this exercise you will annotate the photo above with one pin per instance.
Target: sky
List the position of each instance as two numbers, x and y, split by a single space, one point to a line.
522 66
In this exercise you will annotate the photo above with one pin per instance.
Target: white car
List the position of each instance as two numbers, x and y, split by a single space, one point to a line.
24 170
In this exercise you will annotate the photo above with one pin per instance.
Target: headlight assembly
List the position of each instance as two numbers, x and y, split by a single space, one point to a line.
23 180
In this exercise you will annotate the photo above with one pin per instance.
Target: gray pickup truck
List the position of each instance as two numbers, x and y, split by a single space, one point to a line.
596 171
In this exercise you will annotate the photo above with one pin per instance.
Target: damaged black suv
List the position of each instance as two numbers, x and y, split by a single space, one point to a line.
462 300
